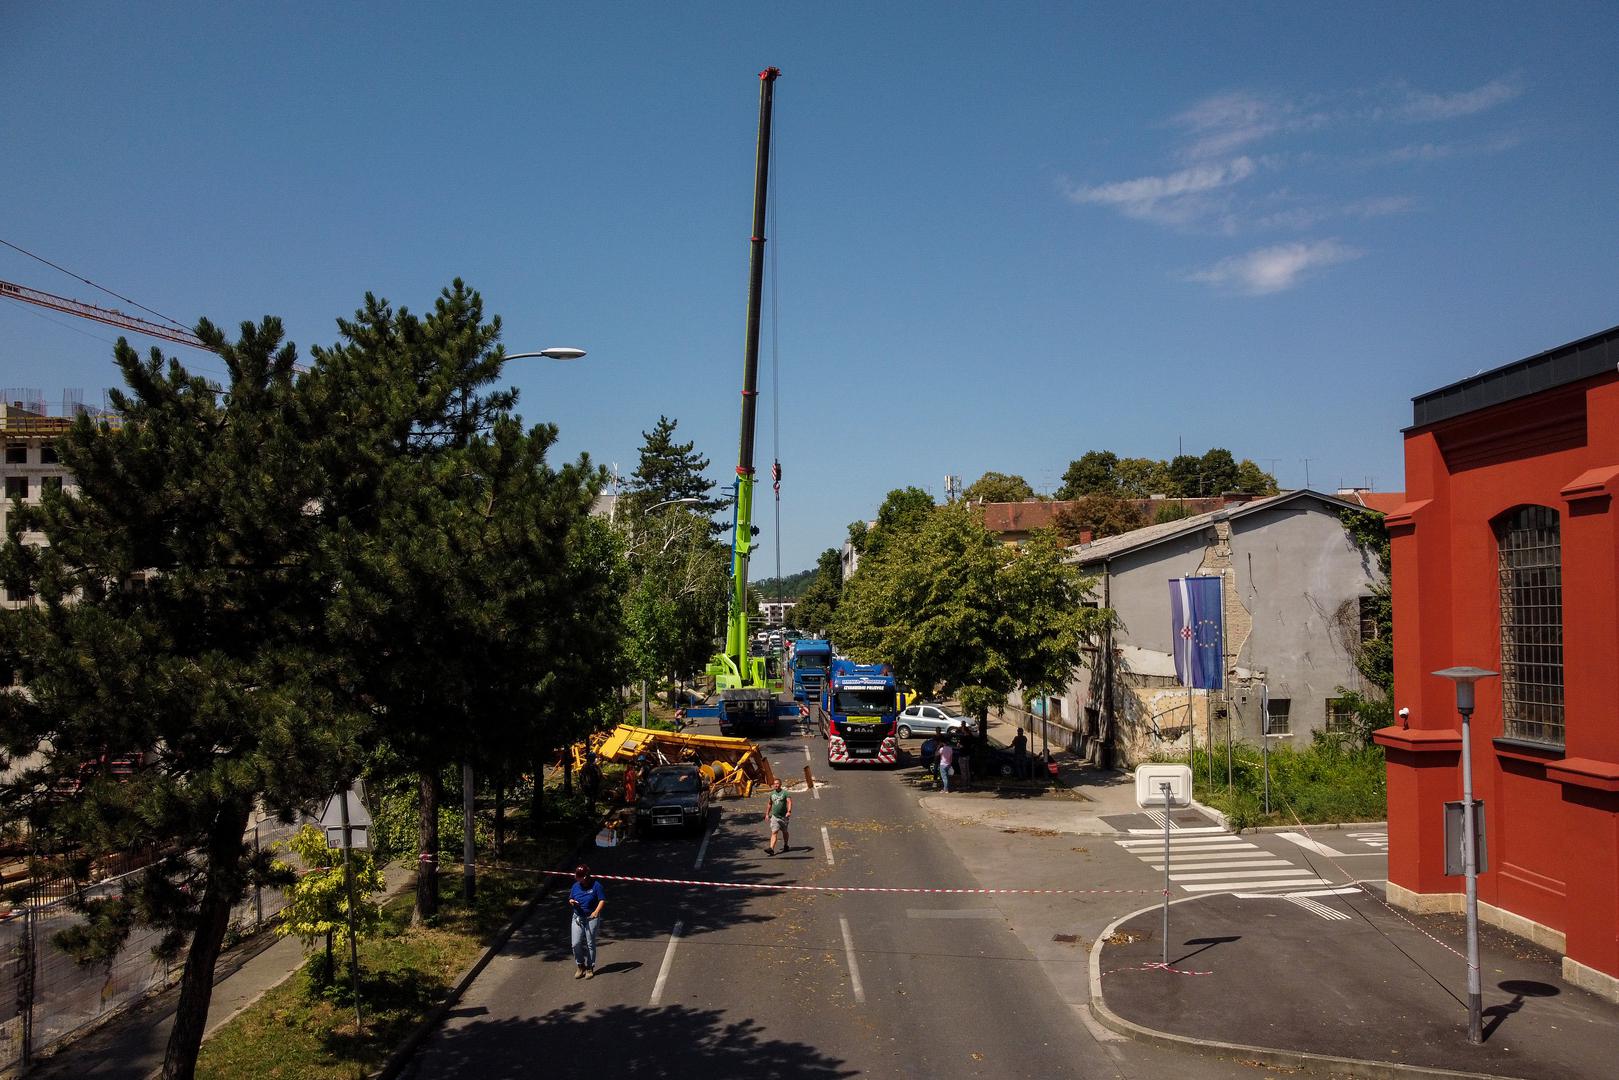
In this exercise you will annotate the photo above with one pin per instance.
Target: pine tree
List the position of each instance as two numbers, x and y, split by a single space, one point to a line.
175 593
668 471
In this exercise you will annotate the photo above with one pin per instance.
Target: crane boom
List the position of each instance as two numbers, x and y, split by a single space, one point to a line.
732 669
110 316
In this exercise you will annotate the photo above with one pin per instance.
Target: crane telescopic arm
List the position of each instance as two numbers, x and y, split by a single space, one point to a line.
734 666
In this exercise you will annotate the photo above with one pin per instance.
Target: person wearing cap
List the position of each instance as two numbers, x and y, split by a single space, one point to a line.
585 900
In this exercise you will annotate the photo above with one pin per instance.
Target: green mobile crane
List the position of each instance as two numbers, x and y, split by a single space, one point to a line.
747 698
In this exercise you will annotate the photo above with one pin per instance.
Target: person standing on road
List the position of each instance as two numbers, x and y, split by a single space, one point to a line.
778 814
946 758
1020 755
585 901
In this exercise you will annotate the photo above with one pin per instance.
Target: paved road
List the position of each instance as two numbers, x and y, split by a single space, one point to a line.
789 984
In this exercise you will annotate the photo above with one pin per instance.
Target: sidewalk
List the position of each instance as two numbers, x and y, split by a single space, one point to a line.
131 1045
1290 980
1334 982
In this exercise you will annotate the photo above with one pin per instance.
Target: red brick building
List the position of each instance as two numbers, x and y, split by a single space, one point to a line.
1506 556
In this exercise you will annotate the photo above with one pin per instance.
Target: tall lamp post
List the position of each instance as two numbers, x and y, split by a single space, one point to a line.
1464 678
469 873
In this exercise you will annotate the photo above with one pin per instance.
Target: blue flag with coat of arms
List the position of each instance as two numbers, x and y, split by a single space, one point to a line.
1199 631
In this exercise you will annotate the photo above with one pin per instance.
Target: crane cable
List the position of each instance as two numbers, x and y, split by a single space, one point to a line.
93 285
775 368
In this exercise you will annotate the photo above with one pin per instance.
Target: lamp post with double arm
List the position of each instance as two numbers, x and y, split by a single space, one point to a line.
469 872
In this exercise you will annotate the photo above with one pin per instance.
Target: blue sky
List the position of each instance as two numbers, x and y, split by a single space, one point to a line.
1005 234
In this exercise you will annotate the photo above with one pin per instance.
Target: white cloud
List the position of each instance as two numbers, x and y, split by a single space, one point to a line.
1303 217
1223 123
1420 107
1176 197
1420 152
1273 269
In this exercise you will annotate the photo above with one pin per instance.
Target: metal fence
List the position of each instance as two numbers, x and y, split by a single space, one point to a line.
45 996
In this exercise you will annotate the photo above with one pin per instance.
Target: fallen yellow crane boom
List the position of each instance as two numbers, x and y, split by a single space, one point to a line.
730 764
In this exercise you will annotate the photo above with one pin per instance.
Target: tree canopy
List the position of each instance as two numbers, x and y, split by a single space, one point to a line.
667 471
1106 513
260 587
1101 472
998 487
817 607
958 612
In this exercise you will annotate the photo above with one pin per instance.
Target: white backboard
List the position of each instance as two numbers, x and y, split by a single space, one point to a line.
1150 781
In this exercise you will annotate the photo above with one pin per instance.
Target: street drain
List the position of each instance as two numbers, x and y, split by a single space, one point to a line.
1066 939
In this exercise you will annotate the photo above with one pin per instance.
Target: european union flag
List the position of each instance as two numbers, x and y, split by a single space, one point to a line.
1199 626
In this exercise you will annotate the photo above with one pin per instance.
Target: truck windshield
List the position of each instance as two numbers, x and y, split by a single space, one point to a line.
810 663
670 783
863 702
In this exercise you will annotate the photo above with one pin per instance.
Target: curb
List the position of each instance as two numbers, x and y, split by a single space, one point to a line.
1264 1055
403 1054
1325 826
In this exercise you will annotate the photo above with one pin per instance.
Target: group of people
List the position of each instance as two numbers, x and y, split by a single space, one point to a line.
953 758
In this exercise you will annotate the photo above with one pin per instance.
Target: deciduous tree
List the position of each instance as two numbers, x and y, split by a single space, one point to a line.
998 487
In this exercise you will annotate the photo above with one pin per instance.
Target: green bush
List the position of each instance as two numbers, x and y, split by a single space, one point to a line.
1327 783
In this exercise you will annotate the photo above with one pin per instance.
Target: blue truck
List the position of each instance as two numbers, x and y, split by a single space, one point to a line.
809 663
859 707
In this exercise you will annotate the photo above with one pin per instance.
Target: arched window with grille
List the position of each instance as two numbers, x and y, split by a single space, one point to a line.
1531 582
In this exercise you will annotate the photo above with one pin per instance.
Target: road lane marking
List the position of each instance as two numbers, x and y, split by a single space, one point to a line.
1279 868
702 849
668 962
951 913
854 967
1195 857
1227 886
1174 829
1267 863
1189 841
826 842
1309 845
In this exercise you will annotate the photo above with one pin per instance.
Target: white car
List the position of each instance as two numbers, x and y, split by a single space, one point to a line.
931 720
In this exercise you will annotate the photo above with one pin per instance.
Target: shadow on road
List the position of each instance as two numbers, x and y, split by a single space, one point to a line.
669 1041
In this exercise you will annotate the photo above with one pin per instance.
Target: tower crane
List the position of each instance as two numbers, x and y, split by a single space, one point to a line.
110 316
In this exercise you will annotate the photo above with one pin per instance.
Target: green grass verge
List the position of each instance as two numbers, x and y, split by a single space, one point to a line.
298 1030
1326 783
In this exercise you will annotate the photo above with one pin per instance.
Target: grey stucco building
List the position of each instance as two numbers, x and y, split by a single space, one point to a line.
1294 591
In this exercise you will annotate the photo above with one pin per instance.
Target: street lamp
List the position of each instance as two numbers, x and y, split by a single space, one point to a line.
555 352
1464 678
469 874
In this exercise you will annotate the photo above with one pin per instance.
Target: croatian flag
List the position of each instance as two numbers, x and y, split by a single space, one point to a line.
1199 626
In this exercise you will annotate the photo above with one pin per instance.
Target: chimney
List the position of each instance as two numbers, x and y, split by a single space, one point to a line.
1085 536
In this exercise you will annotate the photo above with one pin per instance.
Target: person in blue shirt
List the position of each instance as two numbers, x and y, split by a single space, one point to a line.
585 902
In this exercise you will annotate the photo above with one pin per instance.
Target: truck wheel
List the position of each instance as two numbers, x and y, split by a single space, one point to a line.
904 732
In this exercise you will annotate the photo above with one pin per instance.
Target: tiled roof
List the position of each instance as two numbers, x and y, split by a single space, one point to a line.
1110 546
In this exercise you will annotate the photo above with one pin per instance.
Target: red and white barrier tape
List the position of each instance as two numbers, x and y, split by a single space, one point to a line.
766 886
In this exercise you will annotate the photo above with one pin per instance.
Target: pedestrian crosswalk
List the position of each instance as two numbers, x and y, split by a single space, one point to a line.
1202 861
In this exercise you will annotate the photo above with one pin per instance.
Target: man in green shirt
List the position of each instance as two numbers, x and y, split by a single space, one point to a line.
779 811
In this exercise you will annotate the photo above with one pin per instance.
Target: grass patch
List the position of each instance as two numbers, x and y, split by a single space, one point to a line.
301 1030
1326 783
